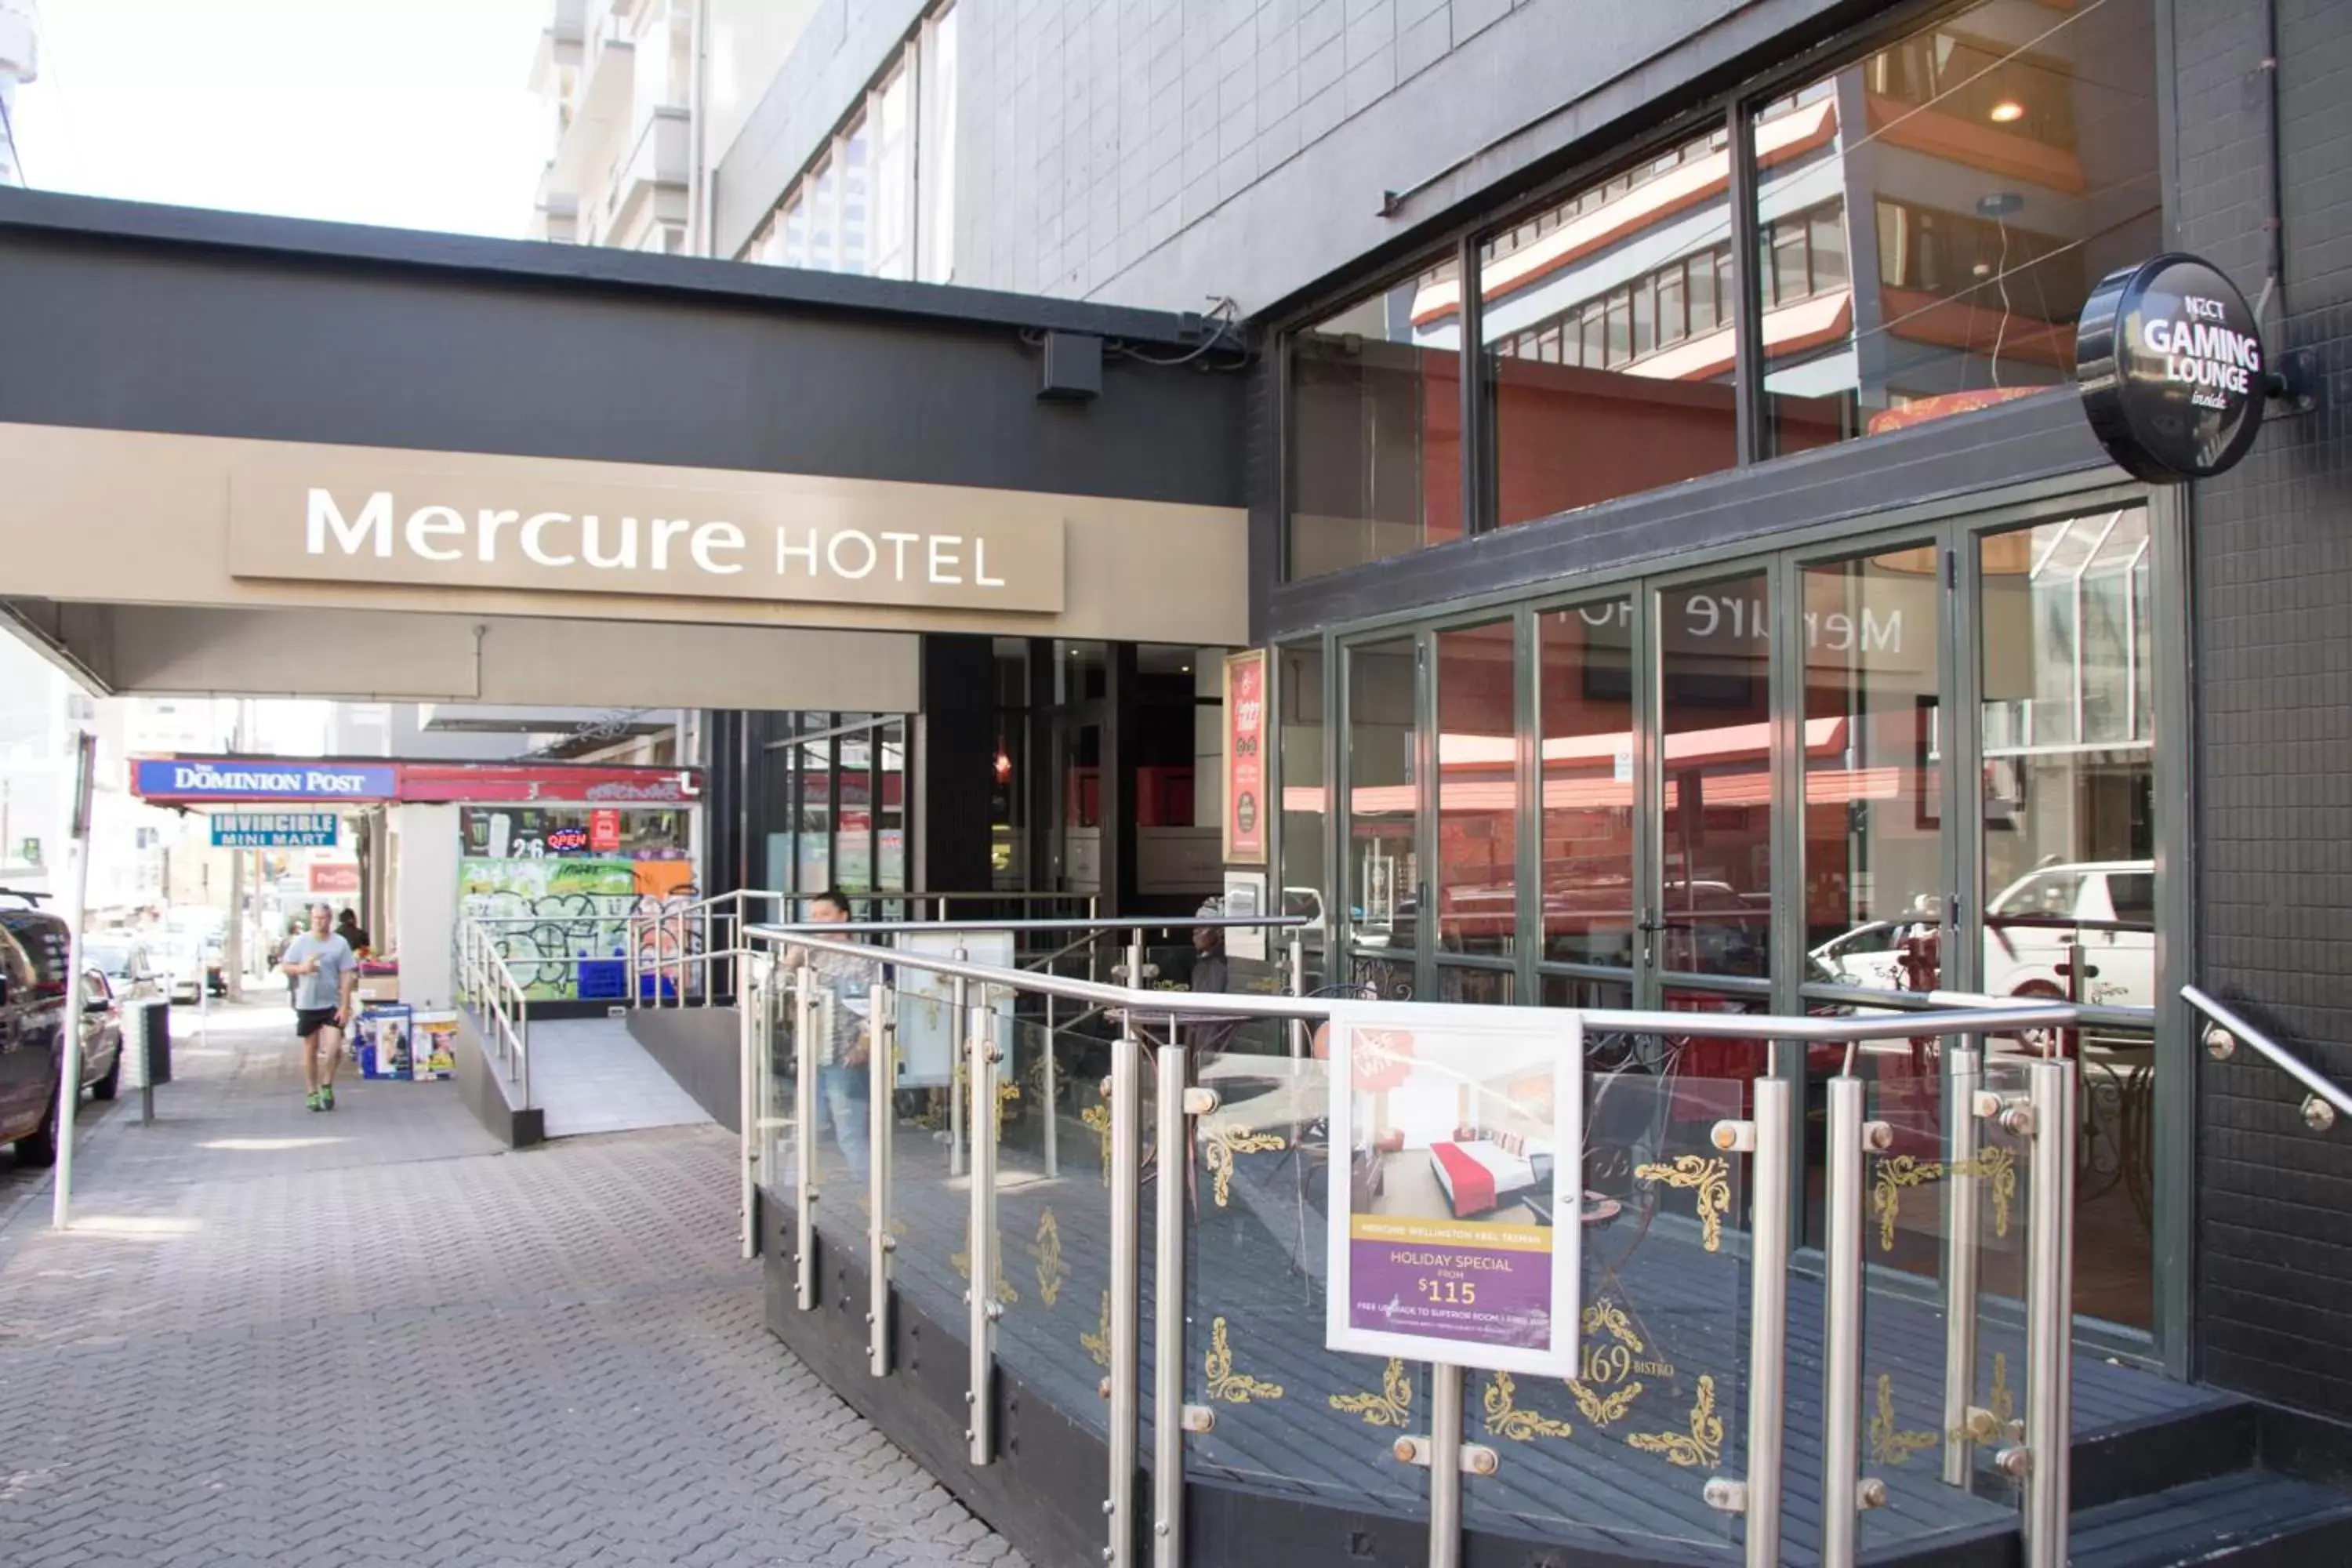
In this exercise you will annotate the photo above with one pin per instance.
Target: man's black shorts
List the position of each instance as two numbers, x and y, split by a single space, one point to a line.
309 1021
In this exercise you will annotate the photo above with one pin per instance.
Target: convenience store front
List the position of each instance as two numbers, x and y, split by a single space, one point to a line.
559 856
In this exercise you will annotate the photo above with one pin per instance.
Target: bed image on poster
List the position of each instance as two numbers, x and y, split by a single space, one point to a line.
1457 1238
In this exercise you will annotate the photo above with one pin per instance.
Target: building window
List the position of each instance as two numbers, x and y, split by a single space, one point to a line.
1609 354
1926 223
2002 182
893 119
878 197
1376 425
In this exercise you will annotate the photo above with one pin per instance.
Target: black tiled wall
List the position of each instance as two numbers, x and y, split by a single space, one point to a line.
2271 544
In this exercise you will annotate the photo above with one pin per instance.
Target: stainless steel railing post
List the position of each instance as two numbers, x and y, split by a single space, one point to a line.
959 1007
1173 1143
881 1081
1298 988
1963 1198
805 1069
1768 1331
1842 1326
1048 1091
748 1113
2050 1313
1445 1466
1126 1242
982 1052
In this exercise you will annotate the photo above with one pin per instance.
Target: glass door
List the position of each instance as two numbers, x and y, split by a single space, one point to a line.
1382 774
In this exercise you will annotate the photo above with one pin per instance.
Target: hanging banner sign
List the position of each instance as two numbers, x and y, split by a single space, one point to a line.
1456 1238
261 778
2168 358
1245 777
274 830
334 876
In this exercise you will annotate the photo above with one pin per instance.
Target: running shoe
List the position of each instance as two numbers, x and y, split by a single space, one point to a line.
313 1101
326 1098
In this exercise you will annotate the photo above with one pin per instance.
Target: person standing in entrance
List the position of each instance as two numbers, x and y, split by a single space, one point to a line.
841 1071
325 972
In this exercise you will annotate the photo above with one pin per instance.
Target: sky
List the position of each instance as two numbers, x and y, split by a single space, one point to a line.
405 113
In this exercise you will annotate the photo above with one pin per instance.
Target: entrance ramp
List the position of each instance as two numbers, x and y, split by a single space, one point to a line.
588 1074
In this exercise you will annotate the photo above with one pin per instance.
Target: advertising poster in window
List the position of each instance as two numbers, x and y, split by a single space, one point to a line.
1245 777
1454 1236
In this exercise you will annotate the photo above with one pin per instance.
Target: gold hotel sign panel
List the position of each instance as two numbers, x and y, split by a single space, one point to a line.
148 518
789 542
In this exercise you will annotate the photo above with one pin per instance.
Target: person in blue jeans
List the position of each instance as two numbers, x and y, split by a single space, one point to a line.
842 1071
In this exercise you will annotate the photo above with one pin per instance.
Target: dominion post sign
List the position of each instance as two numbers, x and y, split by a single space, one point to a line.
2168 358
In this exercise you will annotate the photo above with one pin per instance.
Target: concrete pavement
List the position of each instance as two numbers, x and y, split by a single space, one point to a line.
275 1337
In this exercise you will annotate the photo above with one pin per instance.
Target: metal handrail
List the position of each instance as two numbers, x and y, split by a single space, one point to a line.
2126 1018
2045 1115
485 979
1224 1004
2233 1028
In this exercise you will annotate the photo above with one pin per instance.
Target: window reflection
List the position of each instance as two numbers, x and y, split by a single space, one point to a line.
1715 908
1874 879
1376 427
1979 177
1585 695
1298 701
2069 860
1608 343
1383 866
1478 792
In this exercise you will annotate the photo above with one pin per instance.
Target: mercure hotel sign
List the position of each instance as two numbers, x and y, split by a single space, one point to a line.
816 544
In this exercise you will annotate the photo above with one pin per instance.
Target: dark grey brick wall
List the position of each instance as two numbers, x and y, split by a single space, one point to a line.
2273 610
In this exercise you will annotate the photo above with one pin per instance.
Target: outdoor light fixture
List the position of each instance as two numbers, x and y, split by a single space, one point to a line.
2006 111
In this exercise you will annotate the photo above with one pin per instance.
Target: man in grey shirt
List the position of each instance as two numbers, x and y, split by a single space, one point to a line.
325 972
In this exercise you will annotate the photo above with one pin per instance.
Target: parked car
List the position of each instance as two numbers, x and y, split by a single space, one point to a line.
35 960
1869 956
123 960
2099 914
184 967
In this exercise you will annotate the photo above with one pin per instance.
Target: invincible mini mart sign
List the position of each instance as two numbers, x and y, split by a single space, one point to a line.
274 830
1457 1239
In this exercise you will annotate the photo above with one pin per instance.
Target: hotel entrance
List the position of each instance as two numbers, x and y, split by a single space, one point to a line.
1840 778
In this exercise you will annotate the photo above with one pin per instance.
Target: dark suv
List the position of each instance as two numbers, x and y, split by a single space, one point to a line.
35 960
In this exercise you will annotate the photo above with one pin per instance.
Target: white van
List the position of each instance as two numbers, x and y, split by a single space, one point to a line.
2115 898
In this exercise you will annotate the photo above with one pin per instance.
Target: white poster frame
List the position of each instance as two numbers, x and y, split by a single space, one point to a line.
927 1036
1463 1028
1246 895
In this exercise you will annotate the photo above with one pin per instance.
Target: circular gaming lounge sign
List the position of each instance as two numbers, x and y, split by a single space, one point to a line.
2170 362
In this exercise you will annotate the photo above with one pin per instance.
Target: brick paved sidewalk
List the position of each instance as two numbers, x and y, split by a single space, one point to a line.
368 1337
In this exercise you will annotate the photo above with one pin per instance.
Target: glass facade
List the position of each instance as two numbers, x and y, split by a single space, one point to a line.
1926 224
1966 186
836 813
1605 325
1376 424
878 196
1747 789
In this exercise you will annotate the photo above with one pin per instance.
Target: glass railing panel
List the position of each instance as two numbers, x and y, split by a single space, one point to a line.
1620 1454
1053 1210
1287 1413
1934 1194
930 1153
2003 1160
2115 1174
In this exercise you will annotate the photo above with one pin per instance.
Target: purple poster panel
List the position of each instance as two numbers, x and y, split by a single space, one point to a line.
1461 1125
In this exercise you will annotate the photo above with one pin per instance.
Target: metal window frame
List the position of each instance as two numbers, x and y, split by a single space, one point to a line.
1953 527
